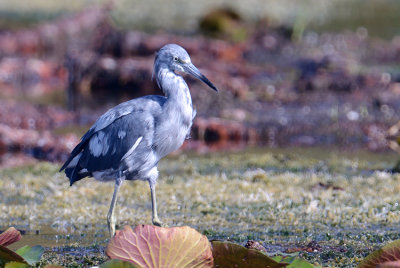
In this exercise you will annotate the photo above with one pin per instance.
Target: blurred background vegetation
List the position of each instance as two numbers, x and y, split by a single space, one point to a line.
379 17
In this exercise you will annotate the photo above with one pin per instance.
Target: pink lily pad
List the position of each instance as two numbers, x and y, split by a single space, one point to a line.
9 236
388 256
390 264
152 246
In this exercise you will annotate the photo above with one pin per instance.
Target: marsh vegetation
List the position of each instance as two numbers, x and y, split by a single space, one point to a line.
332 207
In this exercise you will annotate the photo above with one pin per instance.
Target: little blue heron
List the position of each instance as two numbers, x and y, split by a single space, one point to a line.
127 141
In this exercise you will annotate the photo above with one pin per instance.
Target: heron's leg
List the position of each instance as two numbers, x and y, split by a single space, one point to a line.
110 216
156 221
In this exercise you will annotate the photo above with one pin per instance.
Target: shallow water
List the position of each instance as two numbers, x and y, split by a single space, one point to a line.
288 199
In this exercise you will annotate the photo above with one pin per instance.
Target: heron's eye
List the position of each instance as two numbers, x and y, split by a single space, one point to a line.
175 58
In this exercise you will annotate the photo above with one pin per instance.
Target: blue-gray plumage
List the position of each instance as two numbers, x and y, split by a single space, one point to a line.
127 141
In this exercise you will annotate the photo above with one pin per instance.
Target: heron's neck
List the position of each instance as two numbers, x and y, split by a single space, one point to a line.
174 87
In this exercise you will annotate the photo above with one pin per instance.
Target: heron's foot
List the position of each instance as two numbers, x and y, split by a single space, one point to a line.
111 229
158 222
111 226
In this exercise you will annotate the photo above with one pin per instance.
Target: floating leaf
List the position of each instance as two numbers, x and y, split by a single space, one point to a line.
228 254
293 262
14 264
390 264
9 236
152 246
118 264
23 256
389 253
7 255
31 255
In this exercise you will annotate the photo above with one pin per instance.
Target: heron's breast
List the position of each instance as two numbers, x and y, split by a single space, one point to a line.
170 136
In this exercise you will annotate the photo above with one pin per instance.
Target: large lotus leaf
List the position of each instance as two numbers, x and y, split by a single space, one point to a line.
152 246
390 264
7 255
293 262
9 236
31 255
228 255
15 264
389 253
118 264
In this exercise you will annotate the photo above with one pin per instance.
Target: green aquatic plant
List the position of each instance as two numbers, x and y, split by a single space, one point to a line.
23 257
227 254
294 262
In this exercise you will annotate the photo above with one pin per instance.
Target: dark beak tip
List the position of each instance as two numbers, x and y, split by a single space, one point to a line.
192 70
212 86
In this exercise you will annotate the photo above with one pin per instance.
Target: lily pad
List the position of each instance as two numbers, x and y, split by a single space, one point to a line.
152 246
118 264
9 236
7 255
14 264
390 264
378 258
31 255
293 262
228 254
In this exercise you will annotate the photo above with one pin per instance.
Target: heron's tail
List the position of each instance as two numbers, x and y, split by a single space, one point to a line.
72 168
74 175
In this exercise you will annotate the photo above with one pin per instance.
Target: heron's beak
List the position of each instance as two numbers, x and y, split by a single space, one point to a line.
192 70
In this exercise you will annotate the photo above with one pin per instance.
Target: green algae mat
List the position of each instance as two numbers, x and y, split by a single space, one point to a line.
328 207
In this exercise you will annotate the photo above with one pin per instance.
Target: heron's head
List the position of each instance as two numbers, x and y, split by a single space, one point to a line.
175 58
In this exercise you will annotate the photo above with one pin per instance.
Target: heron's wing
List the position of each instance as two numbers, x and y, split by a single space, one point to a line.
111 115
105 120
136 108
108 147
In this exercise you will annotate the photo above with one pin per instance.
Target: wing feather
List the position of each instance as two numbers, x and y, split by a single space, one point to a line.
114 134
